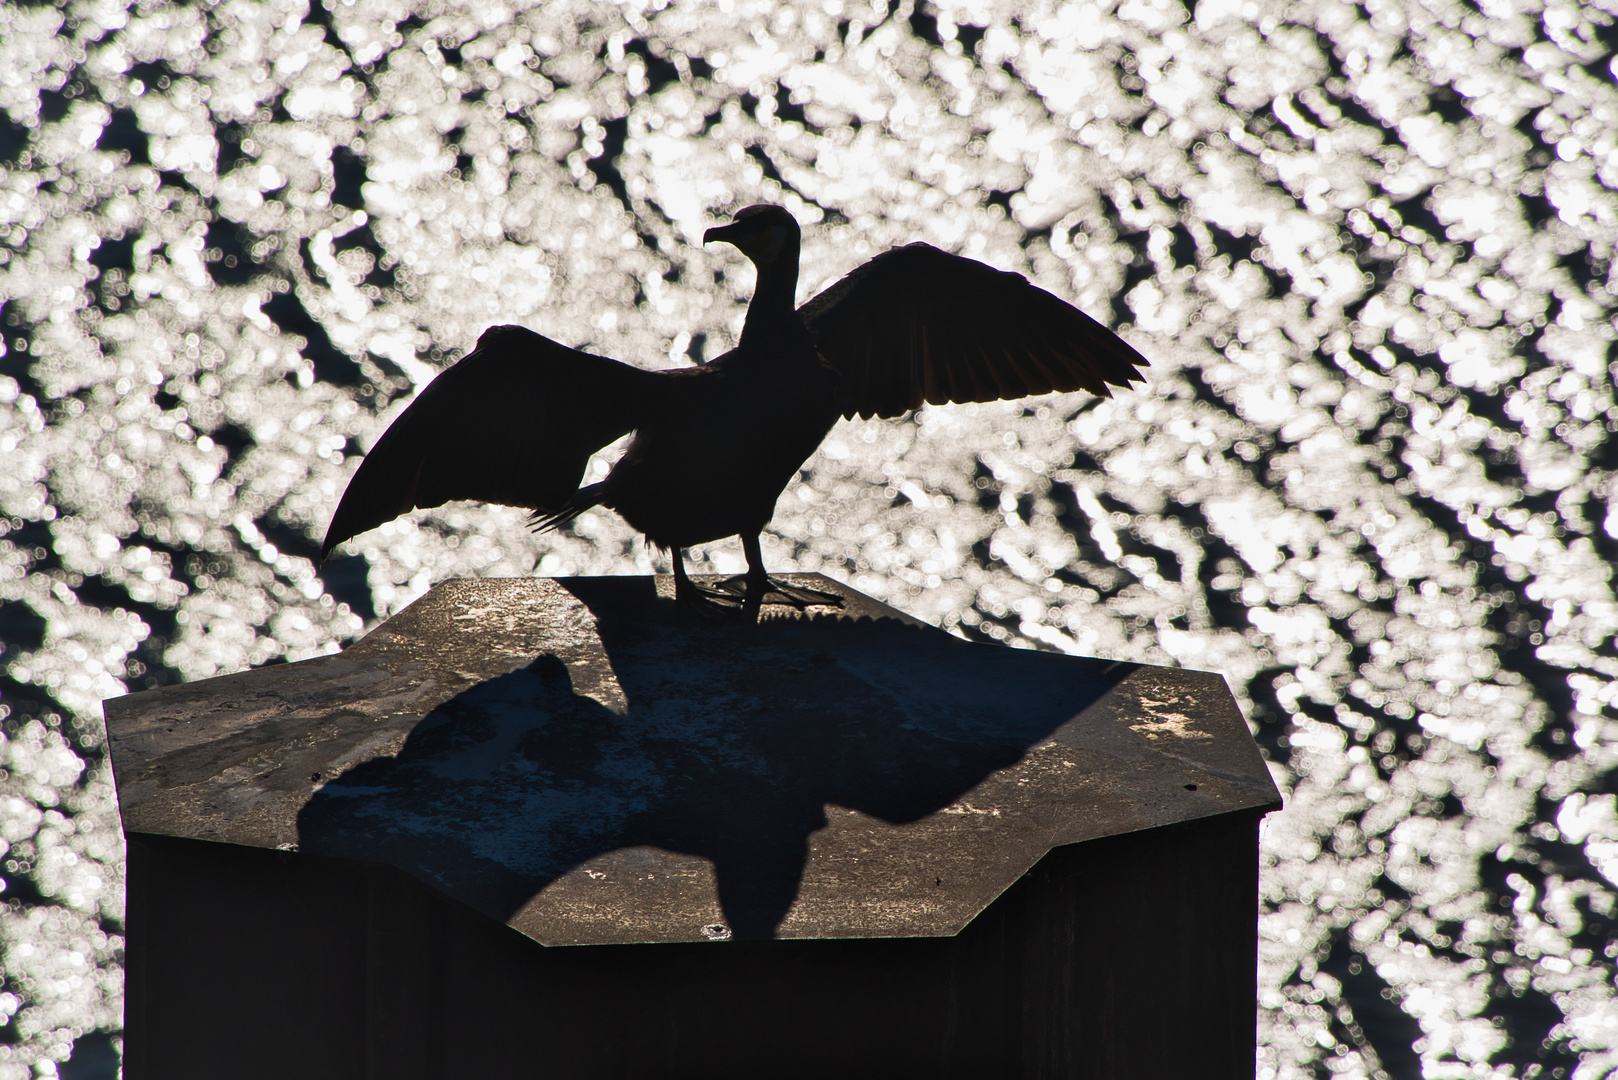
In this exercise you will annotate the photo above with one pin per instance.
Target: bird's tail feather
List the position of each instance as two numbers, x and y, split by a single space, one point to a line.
583 499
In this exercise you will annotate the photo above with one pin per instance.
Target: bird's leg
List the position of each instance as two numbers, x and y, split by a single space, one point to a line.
683 588
758 582
701 598
759 585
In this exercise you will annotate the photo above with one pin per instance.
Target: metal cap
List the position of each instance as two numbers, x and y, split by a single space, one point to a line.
590 763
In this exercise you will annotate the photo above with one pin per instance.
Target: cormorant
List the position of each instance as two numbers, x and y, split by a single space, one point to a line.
516 420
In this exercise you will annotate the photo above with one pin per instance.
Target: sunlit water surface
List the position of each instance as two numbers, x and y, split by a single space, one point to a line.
1368 249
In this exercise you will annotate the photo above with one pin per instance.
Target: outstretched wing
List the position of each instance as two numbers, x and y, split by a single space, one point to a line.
918 324
513 422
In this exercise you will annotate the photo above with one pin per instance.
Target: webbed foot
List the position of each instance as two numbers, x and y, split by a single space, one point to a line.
711 603
777 591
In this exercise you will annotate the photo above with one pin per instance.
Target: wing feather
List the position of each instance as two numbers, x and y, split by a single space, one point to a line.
513 422
916 324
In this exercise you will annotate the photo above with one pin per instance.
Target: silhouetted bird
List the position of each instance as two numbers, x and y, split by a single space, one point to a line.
516 420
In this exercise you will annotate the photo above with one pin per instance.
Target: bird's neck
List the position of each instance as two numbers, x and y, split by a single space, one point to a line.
775 295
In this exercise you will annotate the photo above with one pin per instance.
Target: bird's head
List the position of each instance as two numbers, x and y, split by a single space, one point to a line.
764 233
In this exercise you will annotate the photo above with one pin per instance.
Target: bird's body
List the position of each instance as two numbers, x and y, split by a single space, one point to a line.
517 419
714 465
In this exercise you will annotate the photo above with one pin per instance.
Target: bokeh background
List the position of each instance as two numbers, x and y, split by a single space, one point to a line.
1368 248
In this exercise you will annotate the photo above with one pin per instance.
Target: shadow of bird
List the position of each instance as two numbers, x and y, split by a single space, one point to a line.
516 420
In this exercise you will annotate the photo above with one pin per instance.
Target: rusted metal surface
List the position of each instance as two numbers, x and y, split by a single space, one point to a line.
589 763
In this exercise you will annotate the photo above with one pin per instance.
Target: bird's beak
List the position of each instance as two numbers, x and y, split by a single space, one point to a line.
720 232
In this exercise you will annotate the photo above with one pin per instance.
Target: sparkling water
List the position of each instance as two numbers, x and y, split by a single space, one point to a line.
1368 250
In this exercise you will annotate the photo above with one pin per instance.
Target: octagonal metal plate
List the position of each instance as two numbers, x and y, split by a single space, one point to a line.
590 763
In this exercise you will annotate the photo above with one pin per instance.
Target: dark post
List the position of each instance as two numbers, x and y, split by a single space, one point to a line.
561 828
